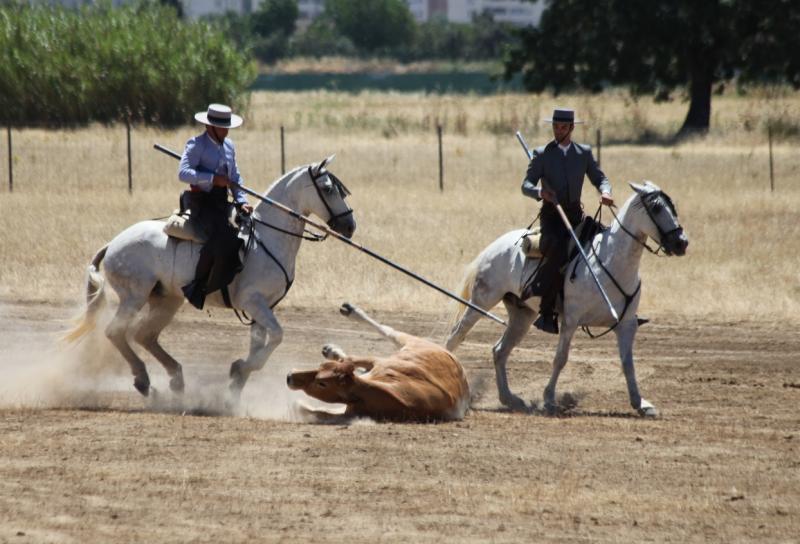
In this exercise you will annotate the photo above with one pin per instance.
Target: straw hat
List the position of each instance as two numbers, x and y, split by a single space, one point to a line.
218 115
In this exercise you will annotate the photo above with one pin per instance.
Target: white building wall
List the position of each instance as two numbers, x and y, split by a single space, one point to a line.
518 12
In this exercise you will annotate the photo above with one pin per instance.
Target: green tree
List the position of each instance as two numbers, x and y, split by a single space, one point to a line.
274 16
373 25
660 45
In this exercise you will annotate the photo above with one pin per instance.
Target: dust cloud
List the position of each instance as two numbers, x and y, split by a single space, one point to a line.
39 370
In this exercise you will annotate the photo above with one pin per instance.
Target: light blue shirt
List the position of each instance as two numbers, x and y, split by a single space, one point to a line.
203 157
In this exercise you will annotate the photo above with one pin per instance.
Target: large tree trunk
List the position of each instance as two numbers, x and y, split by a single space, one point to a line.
699 117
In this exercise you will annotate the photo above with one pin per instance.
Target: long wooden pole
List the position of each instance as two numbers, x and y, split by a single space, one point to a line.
349 242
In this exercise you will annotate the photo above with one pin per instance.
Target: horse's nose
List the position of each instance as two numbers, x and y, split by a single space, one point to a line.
345 225
289 380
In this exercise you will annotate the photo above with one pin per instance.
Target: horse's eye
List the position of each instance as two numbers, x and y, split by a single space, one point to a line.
657 207
320 383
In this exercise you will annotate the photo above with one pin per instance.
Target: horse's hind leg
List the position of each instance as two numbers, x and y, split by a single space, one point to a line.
519 322
483 297
117 331
162 310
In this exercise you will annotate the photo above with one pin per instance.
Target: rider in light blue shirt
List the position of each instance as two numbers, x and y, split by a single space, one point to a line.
208 165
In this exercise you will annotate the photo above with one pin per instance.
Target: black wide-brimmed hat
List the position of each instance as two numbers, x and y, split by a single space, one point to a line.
563 115
218 115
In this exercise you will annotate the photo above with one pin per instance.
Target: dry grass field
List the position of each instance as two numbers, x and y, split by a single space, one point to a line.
84 459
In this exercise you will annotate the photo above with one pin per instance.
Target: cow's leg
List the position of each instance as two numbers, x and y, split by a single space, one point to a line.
399 338
161 312
559 361
333 352
117 330
367 363
519 322
265 335
626 332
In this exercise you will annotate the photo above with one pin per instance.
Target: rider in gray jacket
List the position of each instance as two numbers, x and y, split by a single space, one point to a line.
560 166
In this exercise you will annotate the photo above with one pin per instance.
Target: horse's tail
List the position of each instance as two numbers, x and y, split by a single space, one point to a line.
465 292
95 298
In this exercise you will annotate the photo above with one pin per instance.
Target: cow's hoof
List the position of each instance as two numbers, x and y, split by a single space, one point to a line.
142 385
332 351
176 384
346 309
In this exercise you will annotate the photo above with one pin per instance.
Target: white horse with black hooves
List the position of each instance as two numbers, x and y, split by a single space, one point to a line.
146 268
499 273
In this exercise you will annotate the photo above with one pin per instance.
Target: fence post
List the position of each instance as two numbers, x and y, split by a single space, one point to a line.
10 162
283 153
599 145
771 169
441 158
130 170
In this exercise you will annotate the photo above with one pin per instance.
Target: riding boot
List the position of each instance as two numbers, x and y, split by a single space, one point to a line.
195 291
548 319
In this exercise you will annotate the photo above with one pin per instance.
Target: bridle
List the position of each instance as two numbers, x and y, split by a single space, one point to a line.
338 185
648 201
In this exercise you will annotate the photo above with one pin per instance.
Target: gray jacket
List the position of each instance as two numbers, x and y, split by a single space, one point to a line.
563 173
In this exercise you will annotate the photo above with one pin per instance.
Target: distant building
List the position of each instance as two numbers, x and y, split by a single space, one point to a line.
517 12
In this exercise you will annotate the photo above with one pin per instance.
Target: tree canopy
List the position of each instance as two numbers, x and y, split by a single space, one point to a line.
660 45
373 24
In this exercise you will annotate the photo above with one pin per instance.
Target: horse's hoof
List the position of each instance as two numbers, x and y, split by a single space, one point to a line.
647 410
238 377
346 309
176 384
515 404
142 385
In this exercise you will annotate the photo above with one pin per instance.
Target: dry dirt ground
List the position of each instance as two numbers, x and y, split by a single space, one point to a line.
91 461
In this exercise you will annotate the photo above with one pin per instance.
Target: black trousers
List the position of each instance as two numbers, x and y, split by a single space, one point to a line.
554 244
219 259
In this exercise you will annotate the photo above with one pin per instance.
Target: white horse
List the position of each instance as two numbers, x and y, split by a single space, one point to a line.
500 271
145 267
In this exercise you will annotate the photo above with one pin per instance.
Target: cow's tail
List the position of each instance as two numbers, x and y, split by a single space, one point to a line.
465 292
95 299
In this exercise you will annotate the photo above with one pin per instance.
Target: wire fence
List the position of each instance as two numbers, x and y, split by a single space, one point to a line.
283 138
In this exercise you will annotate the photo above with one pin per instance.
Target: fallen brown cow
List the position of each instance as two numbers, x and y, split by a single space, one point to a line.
420 382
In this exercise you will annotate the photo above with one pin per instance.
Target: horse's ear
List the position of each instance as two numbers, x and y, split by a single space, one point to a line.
641 189
325 162
652 186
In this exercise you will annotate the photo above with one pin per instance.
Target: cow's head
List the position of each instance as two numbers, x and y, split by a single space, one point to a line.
331 382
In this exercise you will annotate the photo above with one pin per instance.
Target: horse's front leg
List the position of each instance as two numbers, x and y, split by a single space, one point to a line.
559 361
626 332
265 335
